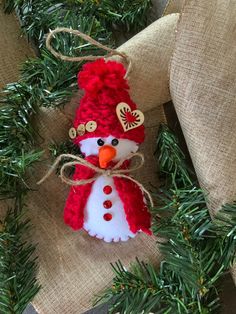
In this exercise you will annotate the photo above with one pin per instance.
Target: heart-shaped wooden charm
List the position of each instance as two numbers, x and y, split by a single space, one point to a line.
129 119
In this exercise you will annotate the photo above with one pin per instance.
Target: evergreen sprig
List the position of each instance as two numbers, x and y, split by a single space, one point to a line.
18 265
172 161
196 249
67 147
122 15
39 16
17 138
10 5
52 81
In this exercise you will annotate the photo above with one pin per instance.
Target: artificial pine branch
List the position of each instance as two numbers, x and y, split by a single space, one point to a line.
125 15
172 161
17 137
53 81
10 5
13 173
39 16
196 250
67 147
18 283
18 265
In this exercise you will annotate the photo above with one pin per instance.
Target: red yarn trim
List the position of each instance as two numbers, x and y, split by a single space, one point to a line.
78 196
136 211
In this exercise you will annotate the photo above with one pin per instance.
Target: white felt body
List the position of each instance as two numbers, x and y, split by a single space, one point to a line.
117 229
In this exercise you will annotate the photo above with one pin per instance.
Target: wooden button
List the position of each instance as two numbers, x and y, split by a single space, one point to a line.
107 216
91 126
81 129
72 133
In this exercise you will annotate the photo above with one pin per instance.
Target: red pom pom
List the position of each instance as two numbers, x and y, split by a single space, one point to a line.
99 76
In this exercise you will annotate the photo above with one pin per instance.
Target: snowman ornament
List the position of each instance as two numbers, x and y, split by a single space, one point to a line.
108 128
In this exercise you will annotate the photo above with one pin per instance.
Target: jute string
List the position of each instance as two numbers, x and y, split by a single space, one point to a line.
112 172
111 52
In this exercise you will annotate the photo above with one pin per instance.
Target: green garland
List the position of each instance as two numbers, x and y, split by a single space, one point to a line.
48 82
38 17
196 250
18 267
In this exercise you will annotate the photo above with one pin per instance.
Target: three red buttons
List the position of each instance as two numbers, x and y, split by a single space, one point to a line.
107 204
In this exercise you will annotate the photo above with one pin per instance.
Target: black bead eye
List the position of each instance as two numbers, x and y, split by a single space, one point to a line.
115 142
100 142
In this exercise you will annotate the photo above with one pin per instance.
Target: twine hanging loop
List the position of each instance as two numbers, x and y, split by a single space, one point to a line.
111 52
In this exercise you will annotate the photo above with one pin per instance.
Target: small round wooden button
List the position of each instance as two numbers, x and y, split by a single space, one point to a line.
81 129
72 133
91 126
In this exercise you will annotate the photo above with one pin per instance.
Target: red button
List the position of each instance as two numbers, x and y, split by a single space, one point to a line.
107 204
107 216
107 189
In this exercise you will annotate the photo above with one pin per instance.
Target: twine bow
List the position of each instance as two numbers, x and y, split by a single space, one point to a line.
112 172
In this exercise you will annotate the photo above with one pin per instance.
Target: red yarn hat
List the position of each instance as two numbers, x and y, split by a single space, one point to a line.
105 87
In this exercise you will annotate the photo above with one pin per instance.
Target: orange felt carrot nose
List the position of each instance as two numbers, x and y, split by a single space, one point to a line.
106 154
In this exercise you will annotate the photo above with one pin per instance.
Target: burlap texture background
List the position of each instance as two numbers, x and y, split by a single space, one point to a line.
73 266
203 89
173 6
13 49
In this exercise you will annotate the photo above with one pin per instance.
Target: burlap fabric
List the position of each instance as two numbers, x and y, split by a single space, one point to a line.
73 266
173 6
13 49
203 89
